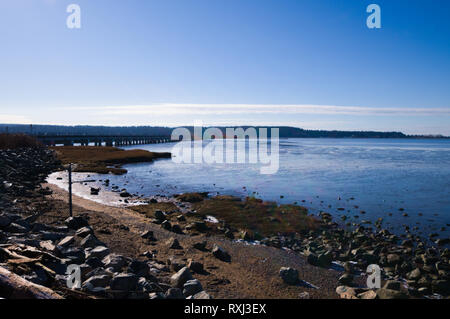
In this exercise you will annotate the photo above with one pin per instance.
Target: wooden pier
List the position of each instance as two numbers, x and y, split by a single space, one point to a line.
97 140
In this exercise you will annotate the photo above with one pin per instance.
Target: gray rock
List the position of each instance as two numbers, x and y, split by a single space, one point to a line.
98 281
175 264
221 254
195 266
390 294
160 215
125 194
180 278
324 260
76 222
156 295
166 225
90 241
124 282
116 262
192 287
174 293
393 285
139 268
289 275
99 252
414 275
84 231
202 295
148 235
393 259
174 244
66 241
47 245
200 226
177 229
53 236
75 254
16 228
94 262
229 234
4 221
346 279
85 269
99 272
312 259
200 245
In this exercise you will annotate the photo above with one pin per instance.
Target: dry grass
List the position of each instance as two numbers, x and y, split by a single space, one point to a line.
13 141
256 216
104 160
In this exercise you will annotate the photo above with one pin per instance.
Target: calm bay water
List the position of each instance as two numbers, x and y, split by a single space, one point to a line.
378 176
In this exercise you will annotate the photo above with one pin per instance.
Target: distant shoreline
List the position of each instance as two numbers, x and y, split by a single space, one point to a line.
284 131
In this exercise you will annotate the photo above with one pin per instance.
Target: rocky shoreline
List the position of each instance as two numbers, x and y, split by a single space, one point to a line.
41 252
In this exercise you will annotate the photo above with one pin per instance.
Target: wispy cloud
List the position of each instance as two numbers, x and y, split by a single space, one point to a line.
230 109
13 119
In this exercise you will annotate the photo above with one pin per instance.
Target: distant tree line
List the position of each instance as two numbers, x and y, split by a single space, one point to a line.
285 131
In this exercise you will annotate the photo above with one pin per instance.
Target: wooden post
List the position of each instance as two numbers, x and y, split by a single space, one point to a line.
70 190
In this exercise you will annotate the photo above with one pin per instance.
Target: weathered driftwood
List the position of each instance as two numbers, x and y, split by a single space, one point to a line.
15 287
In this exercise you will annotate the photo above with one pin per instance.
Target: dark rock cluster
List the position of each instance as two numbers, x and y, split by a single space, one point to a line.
423 269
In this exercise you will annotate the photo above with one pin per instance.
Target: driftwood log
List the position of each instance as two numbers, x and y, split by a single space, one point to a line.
15 287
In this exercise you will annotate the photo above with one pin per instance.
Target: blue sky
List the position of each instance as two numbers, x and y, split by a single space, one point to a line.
311 64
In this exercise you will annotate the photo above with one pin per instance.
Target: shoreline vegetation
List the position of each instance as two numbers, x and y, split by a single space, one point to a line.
155 250
103 160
